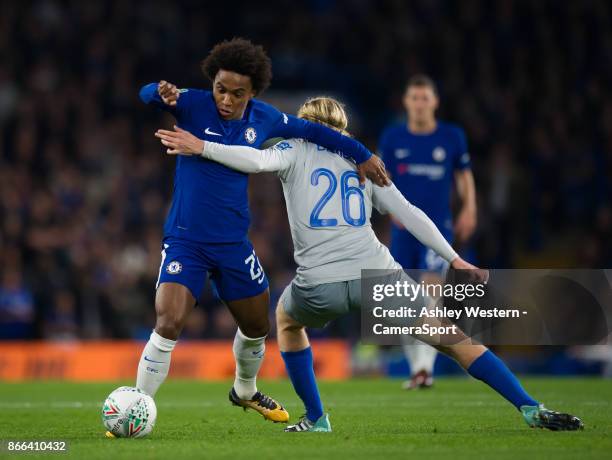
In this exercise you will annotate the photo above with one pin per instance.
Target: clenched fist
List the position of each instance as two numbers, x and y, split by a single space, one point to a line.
374 169
168 92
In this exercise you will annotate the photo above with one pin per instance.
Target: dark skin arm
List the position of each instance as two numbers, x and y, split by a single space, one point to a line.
374 169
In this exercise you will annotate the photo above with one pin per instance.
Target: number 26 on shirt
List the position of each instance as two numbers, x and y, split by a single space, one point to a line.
346 191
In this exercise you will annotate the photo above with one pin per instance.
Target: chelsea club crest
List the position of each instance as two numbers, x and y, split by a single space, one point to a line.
250 135
438 154
174 267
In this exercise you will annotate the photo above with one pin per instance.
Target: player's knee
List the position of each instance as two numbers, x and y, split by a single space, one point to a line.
281 318
167 328
279 314
169 322
292 329
259 328
284 323
447 350
465 355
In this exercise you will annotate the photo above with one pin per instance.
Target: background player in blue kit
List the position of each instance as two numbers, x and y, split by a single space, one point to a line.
425 156
206 228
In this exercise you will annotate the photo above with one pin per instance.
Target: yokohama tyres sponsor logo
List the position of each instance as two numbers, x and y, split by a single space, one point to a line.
434 172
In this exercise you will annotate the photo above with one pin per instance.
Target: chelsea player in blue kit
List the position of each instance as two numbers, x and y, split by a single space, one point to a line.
327 282
206 228
425 157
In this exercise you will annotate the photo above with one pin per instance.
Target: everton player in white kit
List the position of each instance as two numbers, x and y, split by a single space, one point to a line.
206 228
329 215
425 157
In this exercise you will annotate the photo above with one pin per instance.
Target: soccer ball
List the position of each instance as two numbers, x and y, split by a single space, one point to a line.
129 413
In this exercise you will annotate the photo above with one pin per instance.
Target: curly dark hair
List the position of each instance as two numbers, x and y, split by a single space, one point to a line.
241 56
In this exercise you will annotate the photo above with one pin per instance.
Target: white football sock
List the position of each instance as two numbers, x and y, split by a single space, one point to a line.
248 354
154 363
419 355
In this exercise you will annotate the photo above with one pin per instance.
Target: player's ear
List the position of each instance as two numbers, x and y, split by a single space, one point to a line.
436 102
250 90
405 100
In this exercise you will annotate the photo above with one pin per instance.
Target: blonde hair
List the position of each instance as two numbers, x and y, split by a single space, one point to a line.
326 111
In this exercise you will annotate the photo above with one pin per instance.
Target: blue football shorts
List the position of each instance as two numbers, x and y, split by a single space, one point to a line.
234 269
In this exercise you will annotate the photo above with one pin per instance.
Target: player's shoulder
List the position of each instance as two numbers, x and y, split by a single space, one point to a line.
455 135
193 97
446 128
292 144
313 151
389 136
193 93
262 111
293 152
394 129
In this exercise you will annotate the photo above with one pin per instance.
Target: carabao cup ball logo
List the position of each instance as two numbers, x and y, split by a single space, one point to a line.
174 267
250 135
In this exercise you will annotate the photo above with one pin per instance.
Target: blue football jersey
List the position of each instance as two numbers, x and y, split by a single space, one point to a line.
422 167
210 202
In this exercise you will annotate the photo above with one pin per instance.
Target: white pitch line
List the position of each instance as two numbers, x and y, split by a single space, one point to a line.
330 403
88 404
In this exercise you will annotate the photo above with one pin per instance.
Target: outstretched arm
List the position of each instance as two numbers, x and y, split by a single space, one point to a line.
238 157
248 159
369 165
163 95
390 200
465 223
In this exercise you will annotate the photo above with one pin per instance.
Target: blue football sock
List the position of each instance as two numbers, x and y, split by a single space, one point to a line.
301 372
492 371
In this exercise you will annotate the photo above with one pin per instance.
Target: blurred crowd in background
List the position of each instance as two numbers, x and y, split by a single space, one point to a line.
84 185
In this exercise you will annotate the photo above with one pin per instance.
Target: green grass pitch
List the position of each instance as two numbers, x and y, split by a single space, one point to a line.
460 418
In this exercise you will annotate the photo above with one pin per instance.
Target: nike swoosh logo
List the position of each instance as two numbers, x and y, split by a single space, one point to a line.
212 133
257 352
151 361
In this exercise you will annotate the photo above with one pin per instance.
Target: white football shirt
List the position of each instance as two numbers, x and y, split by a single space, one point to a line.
329 212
